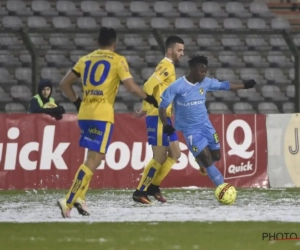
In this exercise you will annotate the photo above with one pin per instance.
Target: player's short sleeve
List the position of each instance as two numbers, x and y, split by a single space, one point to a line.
163 71
77 68
123 69
215 84
168 95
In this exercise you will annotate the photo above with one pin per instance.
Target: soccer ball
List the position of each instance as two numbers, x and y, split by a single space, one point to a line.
225 194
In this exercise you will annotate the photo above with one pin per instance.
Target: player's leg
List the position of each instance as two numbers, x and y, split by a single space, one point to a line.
150 171
154 165
80 185
216 156
198 145
212 171
212 138
213 143
174 153
95 136
92 161
172 157
189 138
202 169
159 156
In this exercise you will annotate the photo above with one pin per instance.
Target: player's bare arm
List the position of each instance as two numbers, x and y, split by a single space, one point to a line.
167 129
66 86
132 87
247 85
163 115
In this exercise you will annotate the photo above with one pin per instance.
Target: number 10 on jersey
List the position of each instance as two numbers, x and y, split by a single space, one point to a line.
90 75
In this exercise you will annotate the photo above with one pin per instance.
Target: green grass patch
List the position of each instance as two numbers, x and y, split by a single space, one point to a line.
146 236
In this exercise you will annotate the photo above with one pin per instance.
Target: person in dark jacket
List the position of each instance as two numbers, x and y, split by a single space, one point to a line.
44 103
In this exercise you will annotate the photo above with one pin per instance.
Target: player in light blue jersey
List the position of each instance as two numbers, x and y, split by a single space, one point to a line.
188 96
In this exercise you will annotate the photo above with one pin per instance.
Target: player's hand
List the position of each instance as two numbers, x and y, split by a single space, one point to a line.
151 99
77 103
139 113
168 129
249 84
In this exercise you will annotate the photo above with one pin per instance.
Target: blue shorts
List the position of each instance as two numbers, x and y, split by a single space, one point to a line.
199 138
155 132
95 135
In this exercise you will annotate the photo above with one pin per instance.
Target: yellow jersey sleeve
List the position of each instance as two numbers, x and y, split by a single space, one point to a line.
123 69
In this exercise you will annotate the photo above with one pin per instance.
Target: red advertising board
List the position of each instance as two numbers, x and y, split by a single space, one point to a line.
37 151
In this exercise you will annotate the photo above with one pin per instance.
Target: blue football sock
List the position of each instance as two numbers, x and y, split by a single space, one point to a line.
215 175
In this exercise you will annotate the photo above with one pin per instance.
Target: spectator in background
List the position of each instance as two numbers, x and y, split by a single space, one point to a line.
44 103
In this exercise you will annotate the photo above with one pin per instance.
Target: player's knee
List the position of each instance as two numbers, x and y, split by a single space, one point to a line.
205 158
160 158
92 164
159 154
207 162
174 150
216 156
175 154
93 160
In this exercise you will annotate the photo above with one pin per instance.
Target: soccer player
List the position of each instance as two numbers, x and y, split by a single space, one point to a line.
165 149
191 117
101 72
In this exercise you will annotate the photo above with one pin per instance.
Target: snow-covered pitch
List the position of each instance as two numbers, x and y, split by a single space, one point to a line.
183 205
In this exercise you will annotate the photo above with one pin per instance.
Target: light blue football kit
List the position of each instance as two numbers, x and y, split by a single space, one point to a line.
191 116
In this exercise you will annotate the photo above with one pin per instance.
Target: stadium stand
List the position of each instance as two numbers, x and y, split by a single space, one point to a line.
233 54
